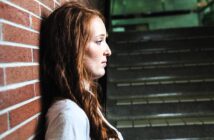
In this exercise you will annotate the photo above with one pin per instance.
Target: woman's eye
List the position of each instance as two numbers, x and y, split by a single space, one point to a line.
98 42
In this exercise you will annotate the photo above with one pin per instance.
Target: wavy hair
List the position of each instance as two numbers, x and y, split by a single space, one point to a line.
63 75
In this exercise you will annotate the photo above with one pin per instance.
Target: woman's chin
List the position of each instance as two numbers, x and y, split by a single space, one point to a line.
99 75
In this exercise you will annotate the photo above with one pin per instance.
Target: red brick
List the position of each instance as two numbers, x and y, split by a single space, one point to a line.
17 96
30 5
15 54
3 123
7 12
61 2
56 5
36 72
1 77
19 35
37 89
35 55
48 3
44 11
36 22
21 74
24 112
23 132
64 1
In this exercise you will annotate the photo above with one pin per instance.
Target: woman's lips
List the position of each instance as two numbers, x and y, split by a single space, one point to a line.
104 63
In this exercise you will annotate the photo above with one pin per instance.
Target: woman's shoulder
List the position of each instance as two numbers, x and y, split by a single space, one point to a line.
66 120
66 108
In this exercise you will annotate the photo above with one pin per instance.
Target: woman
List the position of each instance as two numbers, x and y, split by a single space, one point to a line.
73 56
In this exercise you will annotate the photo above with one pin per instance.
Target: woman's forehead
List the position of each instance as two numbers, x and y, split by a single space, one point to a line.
98 27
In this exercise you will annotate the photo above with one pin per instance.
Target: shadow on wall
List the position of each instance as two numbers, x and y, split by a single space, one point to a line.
43 84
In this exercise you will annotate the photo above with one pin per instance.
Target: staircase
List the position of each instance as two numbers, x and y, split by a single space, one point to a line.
160 84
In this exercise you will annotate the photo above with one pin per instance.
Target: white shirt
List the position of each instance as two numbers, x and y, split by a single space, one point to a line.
67 121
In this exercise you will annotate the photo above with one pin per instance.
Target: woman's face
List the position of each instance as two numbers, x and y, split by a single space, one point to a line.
97 50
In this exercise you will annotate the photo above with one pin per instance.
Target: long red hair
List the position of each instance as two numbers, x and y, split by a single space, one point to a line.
63 74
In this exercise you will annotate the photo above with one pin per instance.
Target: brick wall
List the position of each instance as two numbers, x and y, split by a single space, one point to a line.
19 81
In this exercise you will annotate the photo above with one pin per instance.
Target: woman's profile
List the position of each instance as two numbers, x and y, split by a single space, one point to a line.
73 56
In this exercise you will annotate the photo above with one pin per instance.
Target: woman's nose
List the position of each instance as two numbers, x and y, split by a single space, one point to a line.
108 50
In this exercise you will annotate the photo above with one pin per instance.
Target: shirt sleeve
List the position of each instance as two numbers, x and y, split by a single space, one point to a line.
68 125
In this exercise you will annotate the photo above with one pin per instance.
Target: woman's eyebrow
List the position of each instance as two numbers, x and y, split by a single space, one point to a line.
102 35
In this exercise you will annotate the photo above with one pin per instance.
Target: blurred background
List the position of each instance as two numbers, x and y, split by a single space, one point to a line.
160 79
160 14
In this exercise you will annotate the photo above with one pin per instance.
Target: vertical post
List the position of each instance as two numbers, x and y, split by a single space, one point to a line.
103 80
107 14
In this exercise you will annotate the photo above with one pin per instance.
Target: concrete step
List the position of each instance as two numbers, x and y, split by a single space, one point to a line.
155 100
161 74
160 91
160 59
166 34
171 121
186 132
159 110
163 46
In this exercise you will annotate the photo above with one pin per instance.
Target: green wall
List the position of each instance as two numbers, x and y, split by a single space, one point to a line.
139 6
163 22
147 6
